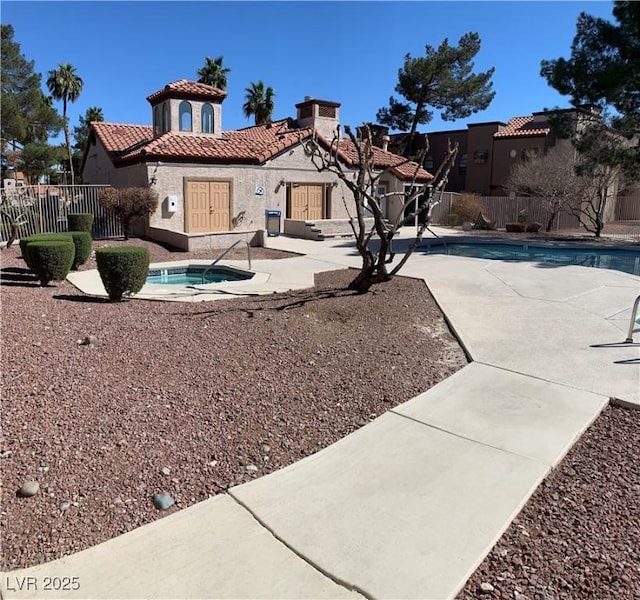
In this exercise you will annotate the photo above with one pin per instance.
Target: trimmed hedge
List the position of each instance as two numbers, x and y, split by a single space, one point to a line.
83 241
80 222
123 270
41 237
51 259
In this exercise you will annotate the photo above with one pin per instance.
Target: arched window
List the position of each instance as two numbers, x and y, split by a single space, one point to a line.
185 116
156 120
207 118
165 117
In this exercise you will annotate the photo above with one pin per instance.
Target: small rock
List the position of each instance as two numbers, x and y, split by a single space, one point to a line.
163 501
266 448
5 454
212 463
486 587
29 488
64 506
87 340
166 471
38 344
43 469
251 468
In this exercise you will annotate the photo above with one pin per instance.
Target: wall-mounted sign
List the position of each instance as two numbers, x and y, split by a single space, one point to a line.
259 191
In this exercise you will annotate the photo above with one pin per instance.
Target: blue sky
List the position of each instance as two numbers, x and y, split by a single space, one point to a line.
348 52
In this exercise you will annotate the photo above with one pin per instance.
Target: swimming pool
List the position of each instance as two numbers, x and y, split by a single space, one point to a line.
625 260
192 275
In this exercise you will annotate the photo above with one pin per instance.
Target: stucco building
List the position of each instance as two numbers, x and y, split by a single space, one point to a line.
215 185
486 151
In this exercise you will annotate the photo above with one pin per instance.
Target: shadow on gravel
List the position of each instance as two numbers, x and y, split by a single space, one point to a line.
81 299
289 302
14 276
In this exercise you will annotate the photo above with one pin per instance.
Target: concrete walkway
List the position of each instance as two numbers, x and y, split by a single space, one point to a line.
410 504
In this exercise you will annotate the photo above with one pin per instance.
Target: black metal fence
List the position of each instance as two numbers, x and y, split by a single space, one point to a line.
44 209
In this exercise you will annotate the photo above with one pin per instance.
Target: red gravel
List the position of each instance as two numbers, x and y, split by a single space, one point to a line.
182 398
578 537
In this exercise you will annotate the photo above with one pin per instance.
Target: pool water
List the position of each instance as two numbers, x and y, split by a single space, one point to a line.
193 276
627 261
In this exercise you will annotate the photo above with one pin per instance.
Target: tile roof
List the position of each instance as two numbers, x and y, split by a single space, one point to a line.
523 127
382 159
118 138
252 145
191 89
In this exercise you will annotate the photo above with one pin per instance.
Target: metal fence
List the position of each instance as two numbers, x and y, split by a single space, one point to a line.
44 209
503 209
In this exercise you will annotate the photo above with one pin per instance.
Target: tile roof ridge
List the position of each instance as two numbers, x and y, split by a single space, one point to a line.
263 125
110 124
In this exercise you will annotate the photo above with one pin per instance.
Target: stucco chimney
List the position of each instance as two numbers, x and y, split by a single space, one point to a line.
321 115
385 142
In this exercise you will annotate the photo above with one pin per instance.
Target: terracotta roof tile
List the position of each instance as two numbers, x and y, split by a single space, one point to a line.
523 127
116 137
253 145
384 160
185 88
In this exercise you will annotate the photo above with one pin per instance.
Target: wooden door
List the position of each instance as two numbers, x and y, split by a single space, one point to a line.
220 205
208 206
299 202
197 208
307 202
315 202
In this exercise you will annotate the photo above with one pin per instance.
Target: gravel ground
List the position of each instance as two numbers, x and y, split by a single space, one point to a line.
187 409
578 537
188 399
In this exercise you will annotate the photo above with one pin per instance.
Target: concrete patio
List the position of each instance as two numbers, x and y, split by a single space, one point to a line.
410 504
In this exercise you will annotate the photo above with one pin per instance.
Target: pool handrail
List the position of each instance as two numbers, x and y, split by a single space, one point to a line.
634 314
217 260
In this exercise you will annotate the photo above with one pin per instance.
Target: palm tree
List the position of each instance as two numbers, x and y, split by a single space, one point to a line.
93 114
65 85
259 103
213 73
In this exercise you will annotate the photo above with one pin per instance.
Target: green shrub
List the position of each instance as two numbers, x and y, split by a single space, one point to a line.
453 219
123 270
523 216
467 207
50 259
82 240
80 222
41 237
129 204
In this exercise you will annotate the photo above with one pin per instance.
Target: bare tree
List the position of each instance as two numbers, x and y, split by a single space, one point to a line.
551 176
577 183
603 156
353 162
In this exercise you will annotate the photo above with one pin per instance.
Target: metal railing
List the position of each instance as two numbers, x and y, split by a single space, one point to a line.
45 208
634 314
217 260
